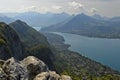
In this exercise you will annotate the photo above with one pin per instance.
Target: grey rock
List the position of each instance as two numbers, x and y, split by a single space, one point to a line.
30 68
14 70
34 66
51 75
65 77
3 75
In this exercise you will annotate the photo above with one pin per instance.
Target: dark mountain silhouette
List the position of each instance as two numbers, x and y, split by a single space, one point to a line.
10 44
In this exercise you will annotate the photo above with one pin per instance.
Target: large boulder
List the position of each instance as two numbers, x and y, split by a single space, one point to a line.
34 66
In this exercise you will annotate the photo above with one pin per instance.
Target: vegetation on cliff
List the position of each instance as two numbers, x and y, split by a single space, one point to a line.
35 43
10 44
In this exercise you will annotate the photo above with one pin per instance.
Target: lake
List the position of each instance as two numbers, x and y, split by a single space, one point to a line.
105 51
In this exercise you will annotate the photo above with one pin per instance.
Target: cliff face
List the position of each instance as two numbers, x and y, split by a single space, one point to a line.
10 44
28 35
35 43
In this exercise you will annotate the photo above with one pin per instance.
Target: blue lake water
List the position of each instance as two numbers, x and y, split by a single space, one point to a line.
105 51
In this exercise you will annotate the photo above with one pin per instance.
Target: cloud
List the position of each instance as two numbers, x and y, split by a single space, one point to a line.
75 5
56 7
103 7
93 10
29 8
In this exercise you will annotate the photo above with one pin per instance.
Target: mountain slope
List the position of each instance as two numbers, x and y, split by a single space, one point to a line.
77 66
10 44
35 43
27 34
85 25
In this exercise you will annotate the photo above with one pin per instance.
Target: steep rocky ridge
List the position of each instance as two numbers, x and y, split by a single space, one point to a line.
27 34
10 44
35 43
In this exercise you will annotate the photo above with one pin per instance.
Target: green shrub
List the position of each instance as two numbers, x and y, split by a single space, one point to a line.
2 41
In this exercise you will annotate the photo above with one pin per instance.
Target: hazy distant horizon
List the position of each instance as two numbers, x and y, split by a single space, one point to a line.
108 8
13 14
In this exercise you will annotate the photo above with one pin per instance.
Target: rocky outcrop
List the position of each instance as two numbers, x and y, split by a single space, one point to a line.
34 66
65 77
29 68
47 75
13 70
51 75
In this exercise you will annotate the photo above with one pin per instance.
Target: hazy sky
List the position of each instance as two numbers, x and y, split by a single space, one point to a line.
103 7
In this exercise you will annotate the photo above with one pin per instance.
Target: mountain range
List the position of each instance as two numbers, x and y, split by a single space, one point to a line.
6 19
89 26
39 20
35 19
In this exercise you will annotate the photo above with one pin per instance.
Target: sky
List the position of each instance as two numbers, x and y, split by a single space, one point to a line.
108 8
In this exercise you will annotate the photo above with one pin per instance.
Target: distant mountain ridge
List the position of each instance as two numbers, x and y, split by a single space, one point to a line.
88 26
36 19
97 16
6 19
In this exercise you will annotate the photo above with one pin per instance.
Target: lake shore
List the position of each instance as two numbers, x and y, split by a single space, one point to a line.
99 49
